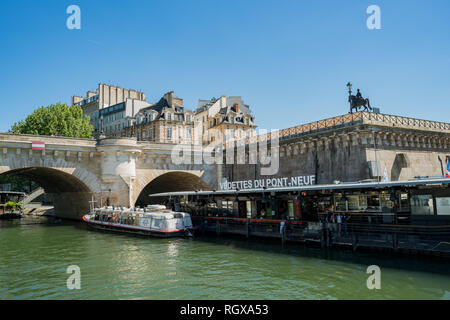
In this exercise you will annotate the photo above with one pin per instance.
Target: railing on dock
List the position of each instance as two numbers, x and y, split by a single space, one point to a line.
382 231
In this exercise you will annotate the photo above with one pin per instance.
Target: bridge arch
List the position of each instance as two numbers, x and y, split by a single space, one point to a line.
71 195
170 182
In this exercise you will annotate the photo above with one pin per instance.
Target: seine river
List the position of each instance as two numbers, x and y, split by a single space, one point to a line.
34 259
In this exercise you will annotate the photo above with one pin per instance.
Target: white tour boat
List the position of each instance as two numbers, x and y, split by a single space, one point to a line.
154 220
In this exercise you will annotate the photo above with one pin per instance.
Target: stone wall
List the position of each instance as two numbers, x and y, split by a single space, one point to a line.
341 148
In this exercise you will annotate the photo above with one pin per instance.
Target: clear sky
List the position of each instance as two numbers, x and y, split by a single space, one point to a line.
289 60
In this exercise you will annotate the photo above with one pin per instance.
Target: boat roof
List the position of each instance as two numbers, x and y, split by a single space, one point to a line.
154 213
334 186
13 192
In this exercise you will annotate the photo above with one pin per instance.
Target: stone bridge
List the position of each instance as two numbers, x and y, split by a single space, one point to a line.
78 171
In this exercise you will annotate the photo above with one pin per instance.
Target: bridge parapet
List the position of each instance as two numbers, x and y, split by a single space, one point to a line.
51 140
358 118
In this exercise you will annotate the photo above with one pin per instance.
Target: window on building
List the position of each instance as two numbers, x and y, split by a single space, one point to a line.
169 116
188 133
188 118
150 133
169 133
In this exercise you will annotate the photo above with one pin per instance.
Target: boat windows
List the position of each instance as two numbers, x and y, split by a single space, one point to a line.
443 205
356 202
157 223
422 204
227 208
340 202
353 203
403 203
373 201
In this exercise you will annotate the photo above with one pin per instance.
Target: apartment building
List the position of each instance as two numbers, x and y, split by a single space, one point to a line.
165 122
112 98
225 119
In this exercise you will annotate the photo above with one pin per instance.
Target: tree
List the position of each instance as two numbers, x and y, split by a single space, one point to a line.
58 119
18 183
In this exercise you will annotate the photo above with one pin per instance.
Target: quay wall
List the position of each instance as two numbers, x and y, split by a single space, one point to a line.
356 147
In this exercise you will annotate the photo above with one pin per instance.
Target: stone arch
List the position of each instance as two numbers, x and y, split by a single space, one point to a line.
170 182
71 195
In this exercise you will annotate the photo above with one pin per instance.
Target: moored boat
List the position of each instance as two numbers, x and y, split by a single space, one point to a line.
154 220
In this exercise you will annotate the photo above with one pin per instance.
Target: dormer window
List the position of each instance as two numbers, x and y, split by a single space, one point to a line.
169 117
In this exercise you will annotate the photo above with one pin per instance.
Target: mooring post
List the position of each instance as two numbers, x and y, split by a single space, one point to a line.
328 234
354 241
394 240
218 227
248 228
323 235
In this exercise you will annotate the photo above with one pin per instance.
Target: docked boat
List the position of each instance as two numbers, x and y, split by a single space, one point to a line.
154 220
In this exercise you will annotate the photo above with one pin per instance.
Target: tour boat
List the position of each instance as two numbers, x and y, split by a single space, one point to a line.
154 220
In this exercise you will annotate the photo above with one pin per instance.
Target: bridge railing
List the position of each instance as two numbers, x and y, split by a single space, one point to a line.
352 119
405 121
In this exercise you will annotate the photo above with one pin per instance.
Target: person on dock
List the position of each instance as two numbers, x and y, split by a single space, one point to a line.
282 225
339 222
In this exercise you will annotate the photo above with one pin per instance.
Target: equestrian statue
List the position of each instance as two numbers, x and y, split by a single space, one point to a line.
357 101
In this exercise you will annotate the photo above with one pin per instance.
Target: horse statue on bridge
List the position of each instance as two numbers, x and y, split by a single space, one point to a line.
357 101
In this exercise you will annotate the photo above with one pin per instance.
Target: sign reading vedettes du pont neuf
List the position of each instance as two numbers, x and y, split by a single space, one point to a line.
270 183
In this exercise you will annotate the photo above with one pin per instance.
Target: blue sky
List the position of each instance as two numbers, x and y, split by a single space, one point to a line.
289 60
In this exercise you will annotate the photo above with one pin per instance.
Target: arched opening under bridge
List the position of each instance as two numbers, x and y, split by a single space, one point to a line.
170 182
70 195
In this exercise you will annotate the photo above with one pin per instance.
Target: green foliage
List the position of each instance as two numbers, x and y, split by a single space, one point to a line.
19 206
13 206
58 119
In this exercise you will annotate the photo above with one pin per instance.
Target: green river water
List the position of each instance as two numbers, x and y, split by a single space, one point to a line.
34 259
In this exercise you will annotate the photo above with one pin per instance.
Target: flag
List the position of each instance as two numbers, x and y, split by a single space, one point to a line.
36 145
385 175
447 172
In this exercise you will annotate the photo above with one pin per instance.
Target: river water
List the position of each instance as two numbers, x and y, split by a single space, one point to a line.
35 254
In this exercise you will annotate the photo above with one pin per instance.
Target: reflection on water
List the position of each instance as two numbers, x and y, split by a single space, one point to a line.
34 259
